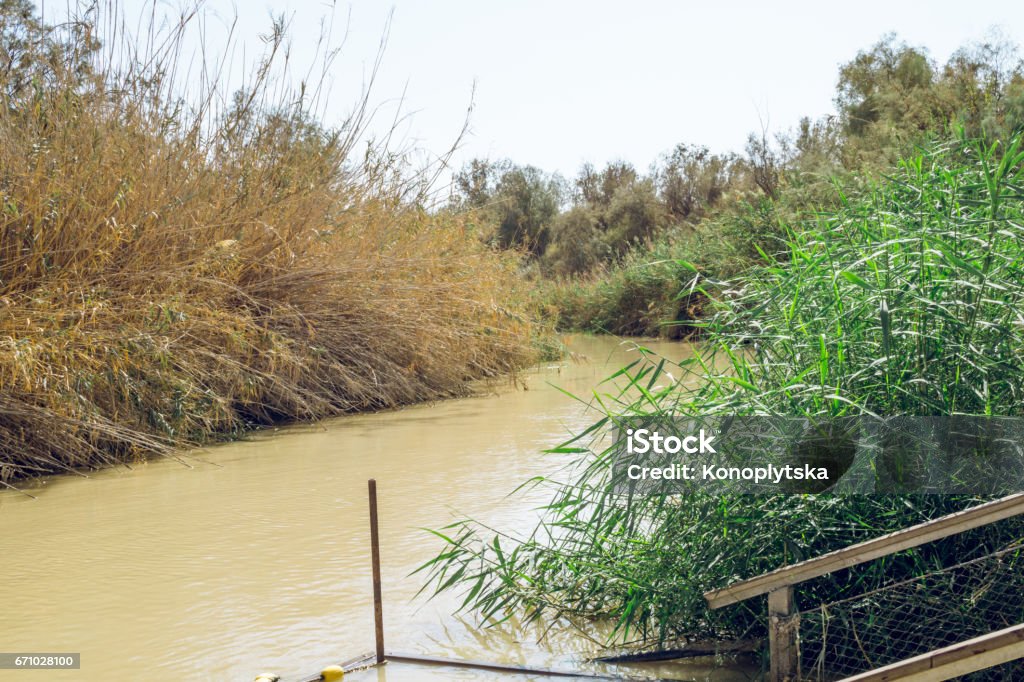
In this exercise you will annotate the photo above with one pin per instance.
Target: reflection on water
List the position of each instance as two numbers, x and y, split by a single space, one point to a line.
256 557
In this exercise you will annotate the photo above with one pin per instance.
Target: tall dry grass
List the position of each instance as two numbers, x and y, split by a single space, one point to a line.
173 271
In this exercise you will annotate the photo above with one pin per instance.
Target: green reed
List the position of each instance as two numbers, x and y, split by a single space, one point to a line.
905 301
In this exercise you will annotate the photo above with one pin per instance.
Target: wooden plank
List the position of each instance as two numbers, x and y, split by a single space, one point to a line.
853 555
953 661
782 632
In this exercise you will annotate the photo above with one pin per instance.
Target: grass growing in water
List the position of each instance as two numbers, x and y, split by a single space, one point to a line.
173 270
904 301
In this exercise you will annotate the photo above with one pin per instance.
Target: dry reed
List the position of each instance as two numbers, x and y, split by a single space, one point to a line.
172 271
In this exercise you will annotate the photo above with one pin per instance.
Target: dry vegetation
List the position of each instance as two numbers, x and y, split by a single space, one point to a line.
173 271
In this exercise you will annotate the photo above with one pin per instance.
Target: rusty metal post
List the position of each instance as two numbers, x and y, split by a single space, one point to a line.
378 609
783 624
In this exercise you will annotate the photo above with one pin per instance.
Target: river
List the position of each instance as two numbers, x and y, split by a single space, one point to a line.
253 555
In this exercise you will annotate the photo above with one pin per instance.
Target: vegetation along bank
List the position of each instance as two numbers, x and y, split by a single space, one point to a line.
174 270
867 265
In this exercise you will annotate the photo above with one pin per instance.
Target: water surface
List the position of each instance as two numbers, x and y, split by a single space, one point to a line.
255 556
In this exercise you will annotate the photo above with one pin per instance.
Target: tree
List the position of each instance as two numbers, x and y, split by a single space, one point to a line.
577 244
33 54
691 180
982 85
890 84
596 188
518 203
475 185
527 200
634 215
765 164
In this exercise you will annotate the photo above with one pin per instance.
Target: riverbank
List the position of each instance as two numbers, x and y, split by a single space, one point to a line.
175 272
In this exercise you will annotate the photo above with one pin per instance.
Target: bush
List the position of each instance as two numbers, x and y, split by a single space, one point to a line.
634 216
648 295
650 291
577 246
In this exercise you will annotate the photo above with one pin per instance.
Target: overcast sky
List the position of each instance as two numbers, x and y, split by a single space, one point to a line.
560 83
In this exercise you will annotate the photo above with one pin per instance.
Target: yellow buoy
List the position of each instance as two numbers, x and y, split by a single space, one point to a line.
332 673
267 677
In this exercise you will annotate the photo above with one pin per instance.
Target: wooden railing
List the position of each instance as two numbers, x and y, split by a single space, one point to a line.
783 623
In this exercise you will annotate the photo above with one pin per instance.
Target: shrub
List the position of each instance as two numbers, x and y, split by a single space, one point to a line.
577 246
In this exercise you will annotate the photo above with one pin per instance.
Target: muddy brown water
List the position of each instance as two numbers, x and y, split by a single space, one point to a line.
255 556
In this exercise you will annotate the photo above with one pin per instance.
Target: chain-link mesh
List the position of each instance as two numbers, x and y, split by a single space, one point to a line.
916 616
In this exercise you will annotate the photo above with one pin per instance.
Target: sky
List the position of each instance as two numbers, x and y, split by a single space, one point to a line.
555 84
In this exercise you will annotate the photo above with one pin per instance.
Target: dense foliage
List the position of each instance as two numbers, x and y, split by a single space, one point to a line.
593 244
905 300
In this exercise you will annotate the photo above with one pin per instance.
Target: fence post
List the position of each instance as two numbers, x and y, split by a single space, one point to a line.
783 648
378 610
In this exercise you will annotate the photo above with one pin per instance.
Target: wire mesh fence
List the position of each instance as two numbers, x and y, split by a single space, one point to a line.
917 616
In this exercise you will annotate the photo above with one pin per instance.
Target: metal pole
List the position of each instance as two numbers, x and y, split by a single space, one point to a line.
378 610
